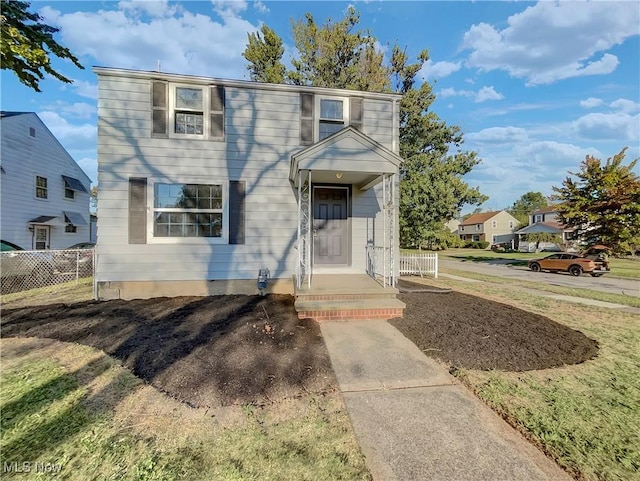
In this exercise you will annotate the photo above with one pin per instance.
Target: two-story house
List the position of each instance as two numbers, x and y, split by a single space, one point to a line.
493 227
44 192
205 181
546 221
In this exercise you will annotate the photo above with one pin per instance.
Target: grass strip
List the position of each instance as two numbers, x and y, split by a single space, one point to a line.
631 301
585 416
98 421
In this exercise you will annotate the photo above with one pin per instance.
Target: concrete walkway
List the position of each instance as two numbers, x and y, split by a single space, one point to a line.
414 421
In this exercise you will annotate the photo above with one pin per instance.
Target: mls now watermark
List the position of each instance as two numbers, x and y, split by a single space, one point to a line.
31 467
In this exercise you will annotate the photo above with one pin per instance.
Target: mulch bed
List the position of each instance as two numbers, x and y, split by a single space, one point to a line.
206 352
224 350
474 333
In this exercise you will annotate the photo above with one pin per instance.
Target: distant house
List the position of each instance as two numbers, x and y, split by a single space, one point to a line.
546 221
44 194
493 227
452 225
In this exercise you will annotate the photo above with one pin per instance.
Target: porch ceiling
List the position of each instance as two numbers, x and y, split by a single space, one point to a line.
347 157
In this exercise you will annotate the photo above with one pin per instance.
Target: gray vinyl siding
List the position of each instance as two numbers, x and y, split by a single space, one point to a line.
24 157
262 131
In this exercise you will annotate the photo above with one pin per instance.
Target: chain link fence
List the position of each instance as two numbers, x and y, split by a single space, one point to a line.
47 269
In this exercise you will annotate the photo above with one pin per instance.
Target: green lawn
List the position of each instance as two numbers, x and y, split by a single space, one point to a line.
72 409
585 416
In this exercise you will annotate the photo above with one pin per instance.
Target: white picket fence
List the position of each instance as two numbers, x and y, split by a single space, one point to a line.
419 263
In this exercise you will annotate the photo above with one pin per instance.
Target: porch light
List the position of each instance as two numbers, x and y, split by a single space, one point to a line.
338 175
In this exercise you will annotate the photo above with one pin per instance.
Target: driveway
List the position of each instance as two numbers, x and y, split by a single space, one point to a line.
630 287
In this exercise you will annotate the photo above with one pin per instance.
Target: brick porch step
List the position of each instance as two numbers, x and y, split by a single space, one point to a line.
349 309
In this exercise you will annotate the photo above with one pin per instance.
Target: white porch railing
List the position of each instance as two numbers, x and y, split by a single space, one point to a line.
379 264
419 263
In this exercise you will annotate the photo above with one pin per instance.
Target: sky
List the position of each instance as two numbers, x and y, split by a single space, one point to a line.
535 87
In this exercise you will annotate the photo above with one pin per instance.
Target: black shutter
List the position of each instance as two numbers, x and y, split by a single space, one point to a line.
306 118
355 112
216 95
137 210
236 211
159 109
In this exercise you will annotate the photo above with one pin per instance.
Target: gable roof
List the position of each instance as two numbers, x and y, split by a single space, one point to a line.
348 150
78 170
548 209
480 218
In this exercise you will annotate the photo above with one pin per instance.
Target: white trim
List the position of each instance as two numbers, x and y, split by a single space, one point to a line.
35 187
151 190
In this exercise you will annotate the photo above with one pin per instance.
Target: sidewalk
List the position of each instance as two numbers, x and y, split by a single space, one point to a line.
414 421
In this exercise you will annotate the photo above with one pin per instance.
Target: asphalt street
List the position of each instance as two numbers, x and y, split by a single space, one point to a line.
606 283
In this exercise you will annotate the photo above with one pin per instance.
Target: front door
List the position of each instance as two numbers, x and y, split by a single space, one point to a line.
41 235
330 226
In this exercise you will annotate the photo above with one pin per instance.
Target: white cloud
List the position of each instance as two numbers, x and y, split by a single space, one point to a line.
182 41
451 92
435 70
615 126
488 93
154 8
90 167
591 103
83 136
482 95
625 105
86 89
498 135
260 7
551 41
79 110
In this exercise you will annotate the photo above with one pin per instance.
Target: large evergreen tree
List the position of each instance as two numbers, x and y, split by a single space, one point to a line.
264 53
27 44
603 204
432 191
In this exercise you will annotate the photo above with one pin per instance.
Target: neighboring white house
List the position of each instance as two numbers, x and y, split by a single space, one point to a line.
204 181
546 221
44 193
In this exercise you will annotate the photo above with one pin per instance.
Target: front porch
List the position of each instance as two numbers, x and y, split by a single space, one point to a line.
337 297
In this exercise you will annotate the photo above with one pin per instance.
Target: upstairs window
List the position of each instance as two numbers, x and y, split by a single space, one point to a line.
494 223
323 116
71 186
478 226
187 111
538 218
332 117
41 187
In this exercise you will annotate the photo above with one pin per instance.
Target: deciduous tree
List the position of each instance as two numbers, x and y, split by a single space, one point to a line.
27 44
526 204
603 203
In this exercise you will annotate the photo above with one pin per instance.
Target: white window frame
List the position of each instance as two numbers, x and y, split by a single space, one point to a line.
494 224
36 187
511 224
151 189
72 226
478 227
346 109
537 218
206 107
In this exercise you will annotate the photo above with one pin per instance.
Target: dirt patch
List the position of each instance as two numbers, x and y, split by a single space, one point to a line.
228 350
207 352
471 332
